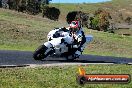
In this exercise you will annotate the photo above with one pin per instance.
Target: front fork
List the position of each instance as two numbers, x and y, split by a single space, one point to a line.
49 48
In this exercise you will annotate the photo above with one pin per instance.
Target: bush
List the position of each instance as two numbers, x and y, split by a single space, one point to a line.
101 20
50 12
94 23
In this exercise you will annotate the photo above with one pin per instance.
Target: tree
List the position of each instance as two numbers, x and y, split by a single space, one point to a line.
0 3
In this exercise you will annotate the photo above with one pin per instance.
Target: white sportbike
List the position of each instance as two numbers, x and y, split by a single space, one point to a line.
59 43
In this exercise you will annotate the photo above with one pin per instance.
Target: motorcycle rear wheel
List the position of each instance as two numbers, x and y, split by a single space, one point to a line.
70 58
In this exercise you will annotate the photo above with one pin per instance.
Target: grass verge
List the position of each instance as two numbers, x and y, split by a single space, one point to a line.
58 77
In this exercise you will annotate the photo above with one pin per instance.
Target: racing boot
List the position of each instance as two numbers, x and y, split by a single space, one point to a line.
79 51
77 54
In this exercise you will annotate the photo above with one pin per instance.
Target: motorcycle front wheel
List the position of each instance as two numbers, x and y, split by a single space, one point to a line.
39 53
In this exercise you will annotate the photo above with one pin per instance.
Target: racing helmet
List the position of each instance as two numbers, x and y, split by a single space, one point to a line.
75 26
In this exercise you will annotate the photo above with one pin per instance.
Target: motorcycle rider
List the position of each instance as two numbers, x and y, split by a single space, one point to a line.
75 30
77 33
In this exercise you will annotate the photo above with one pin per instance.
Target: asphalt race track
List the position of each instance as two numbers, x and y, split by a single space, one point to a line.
9 58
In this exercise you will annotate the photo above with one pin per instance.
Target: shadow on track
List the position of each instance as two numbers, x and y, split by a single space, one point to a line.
92 59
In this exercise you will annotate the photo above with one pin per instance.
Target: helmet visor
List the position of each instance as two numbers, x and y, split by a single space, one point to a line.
74 24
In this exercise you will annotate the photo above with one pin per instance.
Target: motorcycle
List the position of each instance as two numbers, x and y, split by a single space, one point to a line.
59 43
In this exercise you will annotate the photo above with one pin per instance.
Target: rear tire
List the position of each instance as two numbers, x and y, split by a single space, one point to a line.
70 58
39 53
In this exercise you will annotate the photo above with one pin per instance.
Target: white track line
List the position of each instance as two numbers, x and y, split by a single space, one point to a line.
54 64
66 64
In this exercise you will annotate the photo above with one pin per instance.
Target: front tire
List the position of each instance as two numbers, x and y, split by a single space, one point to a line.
39 53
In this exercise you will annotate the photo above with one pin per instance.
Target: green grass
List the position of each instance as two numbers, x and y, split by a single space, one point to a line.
110 45
25 32
58 77
21 31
